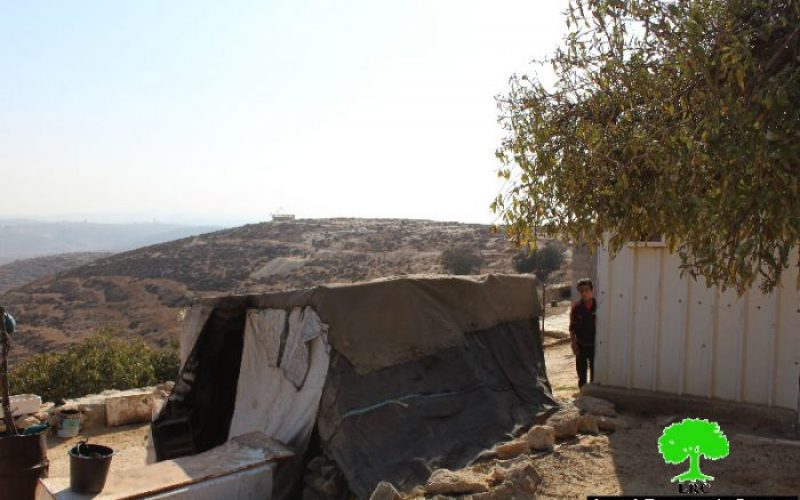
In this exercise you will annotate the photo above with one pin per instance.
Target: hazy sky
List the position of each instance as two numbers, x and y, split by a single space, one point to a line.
210 111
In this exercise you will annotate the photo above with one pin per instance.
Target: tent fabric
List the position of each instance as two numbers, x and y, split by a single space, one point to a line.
398 376
377 324
269 324
268 398
400 423
192 325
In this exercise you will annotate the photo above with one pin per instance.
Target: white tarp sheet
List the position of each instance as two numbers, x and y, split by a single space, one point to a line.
268 398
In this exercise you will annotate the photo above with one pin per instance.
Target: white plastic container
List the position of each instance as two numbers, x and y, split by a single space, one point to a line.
24 404
69 423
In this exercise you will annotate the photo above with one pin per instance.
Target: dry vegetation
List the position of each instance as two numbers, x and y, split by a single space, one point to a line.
24 271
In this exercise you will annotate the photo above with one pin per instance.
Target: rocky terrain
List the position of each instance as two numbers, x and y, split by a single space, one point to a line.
24 271
142 292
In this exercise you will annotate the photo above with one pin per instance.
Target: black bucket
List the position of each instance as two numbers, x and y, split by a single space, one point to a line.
23 460
88 467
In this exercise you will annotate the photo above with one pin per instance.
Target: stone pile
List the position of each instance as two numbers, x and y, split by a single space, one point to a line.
110 408
510 473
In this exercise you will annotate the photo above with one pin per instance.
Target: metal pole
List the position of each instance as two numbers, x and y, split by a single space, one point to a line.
544 305
11 429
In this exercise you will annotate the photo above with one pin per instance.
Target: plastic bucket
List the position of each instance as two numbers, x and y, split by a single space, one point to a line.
88 467
23 460
69 423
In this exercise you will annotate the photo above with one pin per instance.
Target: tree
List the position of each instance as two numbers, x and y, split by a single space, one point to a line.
541 262
461 260
692 438
103 361
677 118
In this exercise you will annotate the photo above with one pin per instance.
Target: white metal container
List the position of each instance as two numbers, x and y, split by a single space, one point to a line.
662 332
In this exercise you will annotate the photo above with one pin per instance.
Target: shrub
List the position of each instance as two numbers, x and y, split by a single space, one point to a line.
541 261
103 361
461 260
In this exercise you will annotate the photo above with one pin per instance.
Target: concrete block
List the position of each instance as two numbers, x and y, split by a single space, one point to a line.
129 408
24 404
93 415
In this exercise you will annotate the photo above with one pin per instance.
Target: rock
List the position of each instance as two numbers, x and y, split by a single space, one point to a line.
328 487
455 482
166 387
541 437
592 443
129 408
26 421
512 449
316 463
565 423
92 414
595 406
516 481
606 424
587 424
385 491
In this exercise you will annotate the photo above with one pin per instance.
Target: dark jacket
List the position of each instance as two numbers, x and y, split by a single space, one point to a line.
582 322
11 325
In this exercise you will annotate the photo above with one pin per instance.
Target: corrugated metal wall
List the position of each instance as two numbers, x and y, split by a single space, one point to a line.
658 331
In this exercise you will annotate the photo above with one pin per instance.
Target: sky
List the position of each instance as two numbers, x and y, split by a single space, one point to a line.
225 112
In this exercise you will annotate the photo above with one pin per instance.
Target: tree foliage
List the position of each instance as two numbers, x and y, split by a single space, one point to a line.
665 117
690 439
461 260
102 362
539 261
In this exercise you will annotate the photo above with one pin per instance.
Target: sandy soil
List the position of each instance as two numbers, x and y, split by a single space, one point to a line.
127 441
627 461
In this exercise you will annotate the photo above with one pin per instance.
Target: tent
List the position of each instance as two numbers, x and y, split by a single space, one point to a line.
393 378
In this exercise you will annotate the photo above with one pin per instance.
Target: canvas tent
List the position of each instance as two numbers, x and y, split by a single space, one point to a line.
396 377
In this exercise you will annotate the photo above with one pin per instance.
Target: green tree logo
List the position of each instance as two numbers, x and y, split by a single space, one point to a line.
691 438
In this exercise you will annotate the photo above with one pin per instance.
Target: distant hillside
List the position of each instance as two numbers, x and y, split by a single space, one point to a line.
23 239
142 292
21 272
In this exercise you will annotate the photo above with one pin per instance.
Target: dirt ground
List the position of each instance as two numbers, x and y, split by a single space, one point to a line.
127 441
625 461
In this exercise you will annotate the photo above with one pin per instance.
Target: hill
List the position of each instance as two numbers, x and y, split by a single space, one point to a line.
142 292
20 272
23 238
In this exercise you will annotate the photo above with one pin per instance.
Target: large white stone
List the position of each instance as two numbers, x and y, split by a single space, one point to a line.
444 481
129 408
541 437
23 404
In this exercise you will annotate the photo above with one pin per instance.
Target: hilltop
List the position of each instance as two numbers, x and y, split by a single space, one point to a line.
142 292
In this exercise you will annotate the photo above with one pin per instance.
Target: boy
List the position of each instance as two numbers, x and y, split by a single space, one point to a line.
582 330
